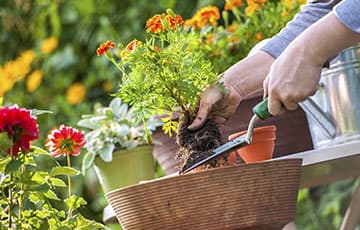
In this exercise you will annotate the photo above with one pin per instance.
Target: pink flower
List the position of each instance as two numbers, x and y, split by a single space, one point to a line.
65 140
20 125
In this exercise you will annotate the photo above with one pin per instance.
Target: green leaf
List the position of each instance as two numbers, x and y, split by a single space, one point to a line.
37 112
88 160
35 198
74 202
12 166
57 182
63 170
107 151
40 188
51 195
5 141
39 150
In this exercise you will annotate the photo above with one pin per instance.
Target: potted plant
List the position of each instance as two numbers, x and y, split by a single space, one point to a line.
166 74
118 145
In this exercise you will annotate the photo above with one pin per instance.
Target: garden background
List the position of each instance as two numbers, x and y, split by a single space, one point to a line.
48 62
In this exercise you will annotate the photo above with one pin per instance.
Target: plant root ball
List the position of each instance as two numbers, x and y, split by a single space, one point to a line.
196 145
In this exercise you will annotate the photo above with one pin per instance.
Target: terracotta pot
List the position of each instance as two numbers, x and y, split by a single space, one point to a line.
261 147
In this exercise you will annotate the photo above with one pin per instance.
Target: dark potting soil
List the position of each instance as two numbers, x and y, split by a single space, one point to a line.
197 145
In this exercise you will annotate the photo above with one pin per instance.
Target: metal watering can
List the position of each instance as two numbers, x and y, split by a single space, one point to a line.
338 97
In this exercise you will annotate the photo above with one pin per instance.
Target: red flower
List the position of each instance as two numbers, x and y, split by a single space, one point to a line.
20 126
104 47
65 140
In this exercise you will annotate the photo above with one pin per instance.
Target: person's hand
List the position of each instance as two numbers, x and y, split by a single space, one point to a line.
295 74
220 102
292 78
217 103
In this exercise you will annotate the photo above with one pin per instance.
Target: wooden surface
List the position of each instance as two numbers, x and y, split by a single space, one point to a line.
239 197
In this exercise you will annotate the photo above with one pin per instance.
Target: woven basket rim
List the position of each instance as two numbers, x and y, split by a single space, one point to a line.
197 174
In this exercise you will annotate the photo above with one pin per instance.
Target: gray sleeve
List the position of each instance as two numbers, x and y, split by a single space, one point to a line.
348 12
309 14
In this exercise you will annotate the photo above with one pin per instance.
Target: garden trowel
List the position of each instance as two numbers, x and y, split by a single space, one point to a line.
260 112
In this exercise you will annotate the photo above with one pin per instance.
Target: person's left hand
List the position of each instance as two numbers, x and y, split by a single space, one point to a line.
292 78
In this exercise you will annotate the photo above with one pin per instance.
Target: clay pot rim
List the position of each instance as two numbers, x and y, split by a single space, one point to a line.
257 130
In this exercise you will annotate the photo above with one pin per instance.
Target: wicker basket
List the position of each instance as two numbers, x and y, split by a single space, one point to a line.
250 196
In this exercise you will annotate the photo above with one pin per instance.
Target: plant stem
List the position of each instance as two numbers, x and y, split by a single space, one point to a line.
69 184
10 194
21 197
10 202
69 176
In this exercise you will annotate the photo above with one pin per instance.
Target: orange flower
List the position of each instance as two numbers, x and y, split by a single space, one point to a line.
130 48
65 141
132 45
157 49
206 15
232 28
230 4
210 38
234 39
155 24
104 47
258 36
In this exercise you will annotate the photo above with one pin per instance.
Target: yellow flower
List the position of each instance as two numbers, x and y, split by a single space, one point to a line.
17 69
27 57
251 9
288 4
76 93
6 80
34 80
284 13
21 66
302 2
49 45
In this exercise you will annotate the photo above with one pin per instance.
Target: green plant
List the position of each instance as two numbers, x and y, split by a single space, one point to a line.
165 73
28 189
112 128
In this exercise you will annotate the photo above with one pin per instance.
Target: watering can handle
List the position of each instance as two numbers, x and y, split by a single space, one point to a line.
310 108
321 119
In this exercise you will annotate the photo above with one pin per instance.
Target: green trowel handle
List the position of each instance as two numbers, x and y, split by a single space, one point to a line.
261 110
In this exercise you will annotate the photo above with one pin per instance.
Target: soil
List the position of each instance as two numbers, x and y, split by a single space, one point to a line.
197 145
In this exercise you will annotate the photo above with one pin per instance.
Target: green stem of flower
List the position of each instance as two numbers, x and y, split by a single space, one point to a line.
10 202
69 176
69 184
10 194
21 197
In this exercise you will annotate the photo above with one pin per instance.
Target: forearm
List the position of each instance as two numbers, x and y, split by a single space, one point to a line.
247 75
324 39
309 14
